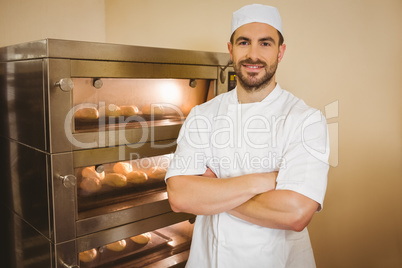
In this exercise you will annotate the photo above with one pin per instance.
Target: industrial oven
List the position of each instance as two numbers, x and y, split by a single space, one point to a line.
87 132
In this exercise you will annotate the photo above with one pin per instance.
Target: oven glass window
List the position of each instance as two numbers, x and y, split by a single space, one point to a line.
110 103
165 247
111 186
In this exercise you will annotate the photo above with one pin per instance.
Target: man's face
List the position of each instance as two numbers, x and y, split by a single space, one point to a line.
255 53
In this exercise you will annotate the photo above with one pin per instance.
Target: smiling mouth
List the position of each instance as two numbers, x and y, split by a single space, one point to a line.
252 67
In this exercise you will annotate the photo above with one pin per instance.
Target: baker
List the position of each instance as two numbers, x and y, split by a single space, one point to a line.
252 163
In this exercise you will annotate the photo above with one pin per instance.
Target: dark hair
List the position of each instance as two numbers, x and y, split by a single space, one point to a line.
281 39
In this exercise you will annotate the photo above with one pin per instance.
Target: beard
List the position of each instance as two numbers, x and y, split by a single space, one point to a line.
250 81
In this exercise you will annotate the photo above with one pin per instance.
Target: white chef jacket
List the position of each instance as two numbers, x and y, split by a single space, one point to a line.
280 133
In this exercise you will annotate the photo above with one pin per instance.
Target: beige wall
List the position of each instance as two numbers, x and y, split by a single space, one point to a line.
342 55
29 20
197 25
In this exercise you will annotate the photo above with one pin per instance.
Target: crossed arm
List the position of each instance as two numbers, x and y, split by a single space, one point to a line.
250 197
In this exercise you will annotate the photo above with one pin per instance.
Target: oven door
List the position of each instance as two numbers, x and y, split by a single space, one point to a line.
97 104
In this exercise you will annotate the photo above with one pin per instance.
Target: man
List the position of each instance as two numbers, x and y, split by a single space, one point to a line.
262 155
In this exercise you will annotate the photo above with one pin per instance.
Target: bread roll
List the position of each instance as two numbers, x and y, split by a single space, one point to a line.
91 184
115 180
142 238
91 172
154 109
117 246
137 177
156 172
88 255
122 168
111 110
87 113
129 110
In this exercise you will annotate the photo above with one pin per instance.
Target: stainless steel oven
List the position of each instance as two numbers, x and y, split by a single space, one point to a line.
87 132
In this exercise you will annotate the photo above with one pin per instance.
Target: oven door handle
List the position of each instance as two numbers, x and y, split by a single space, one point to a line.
65 84
68 180
65 265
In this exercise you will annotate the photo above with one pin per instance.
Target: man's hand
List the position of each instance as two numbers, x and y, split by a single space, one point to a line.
209 173
270 179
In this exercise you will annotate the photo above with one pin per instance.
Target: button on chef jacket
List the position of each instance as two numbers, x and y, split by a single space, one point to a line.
280 133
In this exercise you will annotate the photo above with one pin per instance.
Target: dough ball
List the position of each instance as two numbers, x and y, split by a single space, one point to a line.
91 172
142 238
88 255
91 184
115 180
156 172
117 246
122 168
153 109
87 113
129 110
137 177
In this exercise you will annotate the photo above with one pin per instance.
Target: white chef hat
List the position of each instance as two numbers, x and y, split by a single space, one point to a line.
257 13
